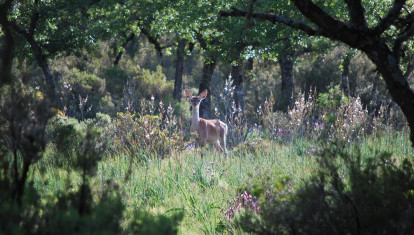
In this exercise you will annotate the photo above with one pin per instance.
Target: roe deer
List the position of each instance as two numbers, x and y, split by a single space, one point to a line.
210 131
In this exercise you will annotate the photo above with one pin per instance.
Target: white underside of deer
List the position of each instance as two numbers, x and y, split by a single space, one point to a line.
208 131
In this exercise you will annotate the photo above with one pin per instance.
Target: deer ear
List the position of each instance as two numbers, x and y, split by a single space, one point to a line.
187 93
203 94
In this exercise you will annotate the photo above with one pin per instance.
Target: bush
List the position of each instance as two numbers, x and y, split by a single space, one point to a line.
348 195
116 79
153 134
83 95
146 223
147 85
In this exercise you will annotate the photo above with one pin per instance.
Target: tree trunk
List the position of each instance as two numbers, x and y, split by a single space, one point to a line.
374 90
7 50
238 96
345 74
127 40
42 62
207 74
397 84
21 183
179 69
286 67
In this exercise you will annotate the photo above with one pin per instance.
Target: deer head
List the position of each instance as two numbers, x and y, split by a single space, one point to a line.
196 100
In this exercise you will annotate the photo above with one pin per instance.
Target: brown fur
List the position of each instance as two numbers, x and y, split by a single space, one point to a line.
214 132
209 131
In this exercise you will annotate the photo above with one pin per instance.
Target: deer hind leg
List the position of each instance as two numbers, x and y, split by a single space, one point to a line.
223 142
218 147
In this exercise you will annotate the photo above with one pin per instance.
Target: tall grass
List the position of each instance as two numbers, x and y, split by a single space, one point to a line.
201 187
153 164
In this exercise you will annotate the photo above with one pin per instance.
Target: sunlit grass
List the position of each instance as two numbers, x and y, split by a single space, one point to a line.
202 187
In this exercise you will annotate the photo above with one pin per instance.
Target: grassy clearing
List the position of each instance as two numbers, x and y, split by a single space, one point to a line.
200 187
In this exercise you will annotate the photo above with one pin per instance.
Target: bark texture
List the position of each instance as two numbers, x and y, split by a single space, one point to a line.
179 69
286 67
345 75
238 96
207 75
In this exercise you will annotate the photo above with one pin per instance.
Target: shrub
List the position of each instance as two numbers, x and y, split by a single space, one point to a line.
83 95
146 223
332 116
147 85
349 195
116 79
155 134
69 137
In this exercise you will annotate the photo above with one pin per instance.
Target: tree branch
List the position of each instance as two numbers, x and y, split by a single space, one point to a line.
249 21
392 15
201 40
331 27
33 21
410 69
153 40
404 36
127 40
357 14
274 19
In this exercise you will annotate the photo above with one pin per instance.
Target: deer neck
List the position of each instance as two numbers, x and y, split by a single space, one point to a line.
195 120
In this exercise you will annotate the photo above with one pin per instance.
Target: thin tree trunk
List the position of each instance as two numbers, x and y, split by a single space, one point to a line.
179 69
374 90
286 67
345 74
42 62
7 50
238 96
397 84
20 184
39 56
207 74
119 56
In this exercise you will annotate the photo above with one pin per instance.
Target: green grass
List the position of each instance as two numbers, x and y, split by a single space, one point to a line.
200 187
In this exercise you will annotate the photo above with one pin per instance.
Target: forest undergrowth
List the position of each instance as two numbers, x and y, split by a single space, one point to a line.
151 163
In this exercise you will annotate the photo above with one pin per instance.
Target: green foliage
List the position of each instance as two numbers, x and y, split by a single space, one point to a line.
348 194
156 135
84 95
66 134
319 71
73 140
153 84
331 99
145 223
61 215
253 146
63 187
116 79
103 217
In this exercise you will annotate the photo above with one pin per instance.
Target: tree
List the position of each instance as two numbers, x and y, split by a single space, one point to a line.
384 38
279 43
179 69
7 50
44 29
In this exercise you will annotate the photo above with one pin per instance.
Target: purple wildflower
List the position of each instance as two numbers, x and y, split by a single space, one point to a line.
243 201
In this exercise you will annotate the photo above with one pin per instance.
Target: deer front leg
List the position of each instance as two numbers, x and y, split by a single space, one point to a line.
196 144
202 147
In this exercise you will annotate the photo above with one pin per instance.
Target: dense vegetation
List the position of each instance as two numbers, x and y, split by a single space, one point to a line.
95 129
